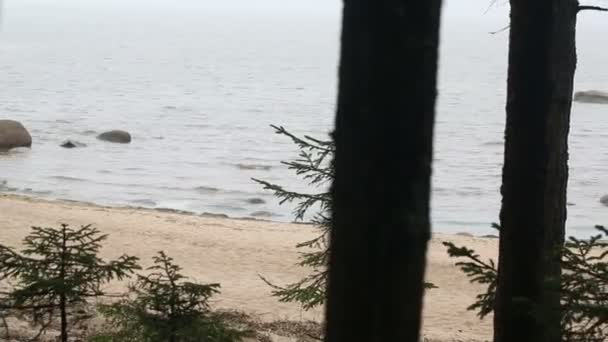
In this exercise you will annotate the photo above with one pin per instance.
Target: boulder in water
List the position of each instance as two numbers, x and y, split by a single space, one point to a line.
604 200
13 134
72 144
261 214
255 200
115 136
591 96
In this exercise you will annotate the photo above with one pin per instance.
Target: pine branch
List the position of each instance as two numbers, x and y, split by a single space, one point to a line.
501 30
592 8
306 143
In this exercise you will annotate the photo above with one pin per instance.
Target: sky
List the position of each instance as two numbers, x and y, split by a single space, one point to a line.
492 14
452 7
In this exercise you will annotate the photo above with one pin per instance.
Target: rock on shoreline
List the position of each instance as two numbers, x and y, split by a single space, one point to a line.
13 134
115 136
604 200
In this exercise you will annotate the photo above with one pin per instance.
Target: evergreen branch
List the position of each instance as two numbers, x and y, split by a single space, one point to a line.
592 8
501 30
309 143
454 251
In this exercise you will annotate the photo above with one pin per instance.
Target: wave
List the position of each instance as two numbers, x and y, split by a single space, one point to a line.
174 211
206 190
468 192
145 201
18 110
69 179
5 188
14 151
37 192
260 167
262 213
222 210
224 207
197 125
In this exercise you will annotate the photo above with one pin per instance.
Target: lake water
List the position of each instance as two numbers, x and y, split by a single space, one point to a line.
198 84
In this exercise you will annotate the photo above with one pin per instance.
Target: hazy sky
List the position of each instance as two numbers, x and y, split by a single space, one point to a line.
492 13
456 7
453 9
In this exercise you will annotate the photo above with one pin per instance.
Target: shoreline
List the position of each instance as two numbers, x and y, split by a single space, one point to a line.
43 199
164 210
236 251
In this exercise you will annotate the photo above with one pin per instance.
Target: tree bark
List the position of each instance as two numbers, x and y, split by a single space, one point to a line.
542 62
62 296
63 318
381 190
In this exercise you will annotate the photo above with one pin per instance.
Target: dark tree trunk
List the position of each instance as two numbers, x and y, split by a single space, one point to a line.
62 296
381 190
542 61
63 318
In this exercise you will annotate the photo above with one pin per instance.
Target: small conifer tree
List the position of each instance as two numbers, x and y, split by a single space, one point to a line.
162 306
584 288
55 273
584 285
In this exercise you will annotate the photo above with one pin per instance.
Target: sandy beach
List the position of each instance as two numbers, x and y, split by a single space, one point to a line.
234 252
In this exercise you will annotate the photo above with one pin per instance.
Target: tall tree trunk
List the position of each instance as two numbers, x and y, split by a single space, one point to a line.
381 190
542 61
64 317
62 277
